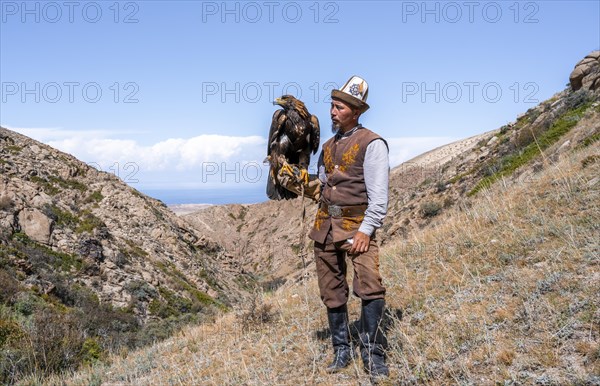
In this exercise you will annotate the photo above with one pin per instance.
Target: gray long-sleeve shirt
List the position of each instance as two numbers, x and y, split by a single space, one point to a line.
376 170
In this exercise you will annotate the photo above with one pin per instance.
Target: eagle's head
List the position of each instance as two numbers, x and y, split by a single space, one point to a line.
289 102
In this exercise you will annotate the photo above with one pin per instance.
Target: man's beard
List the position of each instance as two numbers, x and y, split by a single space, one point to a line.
335 127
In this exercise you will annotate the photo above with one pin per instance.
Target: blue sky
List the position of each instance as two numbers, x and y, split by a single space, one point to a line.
176 95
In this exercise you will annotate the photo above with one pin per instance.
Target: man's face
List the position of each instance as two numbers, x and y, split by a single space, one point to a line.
343 117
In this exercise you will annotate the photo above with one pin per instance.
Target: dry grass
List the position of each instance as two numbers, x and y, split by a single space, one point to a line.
504 291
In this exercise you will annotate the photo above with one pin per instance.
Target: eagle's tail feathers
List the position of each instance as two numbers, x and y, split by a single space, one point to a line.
272 191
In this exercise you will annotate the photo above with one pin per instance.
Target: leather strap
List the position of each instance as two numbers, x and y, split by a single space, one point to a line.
343 211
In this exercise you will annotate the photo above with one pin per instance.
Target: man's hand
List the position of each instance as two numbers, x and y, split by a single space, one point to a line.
295 178
360 244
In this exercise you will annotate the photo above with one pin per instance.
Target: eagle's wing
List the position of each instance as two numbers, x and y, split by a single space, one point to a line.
315 134
277 123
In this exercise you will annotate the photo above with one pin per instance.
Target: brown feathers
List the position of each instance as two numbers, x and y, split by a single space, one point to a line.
293 136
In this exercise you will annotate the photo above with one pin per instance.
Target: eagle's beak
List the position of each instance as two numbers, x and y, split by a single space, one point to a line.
277 101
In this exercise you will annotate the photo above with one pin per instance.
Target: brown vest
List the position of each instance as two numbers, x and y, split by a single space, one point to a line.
345 185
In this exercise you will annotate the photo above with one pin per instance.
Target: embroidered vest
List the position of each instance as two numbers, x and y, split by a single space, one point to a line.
345 186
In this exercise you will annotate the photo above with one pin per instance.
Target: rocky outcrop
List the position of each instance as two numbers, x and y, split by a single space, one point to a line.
586 74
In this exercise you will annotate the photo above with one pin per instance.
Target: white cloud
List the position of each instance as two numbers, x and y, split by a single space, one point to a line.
181 154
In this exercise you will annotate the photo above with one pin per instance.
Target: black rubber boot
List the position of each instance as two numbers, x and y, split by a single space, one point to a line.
371 339
340 337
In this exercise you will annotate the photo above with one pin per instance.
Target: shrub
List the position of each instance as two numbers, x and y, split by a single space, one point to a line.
9 288
10 332
258 314
175 305
577 99
96 196
67 184
430 208
48 187
42 257
89 222
27 303
134 250
440 186
61 217
14 149
141 290
91 352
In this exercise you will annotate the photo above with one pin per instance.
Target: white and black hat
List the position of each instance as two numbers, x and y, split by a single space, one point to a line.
354 92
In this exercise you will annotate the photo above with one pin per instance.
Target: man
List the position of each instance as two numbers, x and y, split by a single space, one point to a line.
354 171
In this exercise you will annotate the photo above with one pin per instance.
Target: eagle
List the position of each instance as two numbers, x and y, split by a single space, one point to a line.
294 134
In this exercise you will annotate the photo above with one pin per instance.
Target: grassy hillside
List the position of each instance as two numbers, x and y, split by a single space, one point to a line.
503 290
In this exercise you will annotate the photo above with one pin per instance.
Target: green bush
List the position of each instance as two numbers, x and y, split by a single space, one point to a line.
56 325
96 196
89 222
14 149
10 332
67 184
62 218
41 256
27 303
91 351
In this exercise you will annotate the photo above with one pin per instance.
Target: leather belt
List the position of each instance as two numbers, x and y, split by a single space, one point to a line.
343 211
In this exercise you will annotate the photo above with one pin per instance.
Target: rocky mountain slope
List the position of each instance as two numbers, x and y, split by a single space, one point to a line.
269 237
84 255
113 235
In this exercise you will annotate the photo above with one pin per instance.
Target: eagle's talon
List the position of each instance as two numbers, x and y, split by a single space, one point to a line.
286 169
304 176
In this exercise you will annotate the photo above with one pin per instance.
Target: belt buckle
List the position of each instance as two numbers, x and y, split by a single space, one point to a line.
335 210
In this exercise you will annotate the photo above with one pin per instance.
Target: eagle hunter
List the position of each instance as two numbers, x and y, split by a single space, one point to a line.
294 134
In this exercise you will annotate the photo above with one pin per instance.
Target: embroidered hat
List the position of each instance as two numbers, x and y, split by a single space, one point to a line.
354 92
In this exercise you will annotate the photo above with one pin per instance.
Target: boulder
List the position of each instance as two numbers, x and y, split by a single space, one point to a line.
35 224
586 73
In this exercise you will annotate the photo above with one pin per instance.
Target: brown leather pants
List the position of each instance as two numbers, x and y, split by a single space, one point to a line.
331 270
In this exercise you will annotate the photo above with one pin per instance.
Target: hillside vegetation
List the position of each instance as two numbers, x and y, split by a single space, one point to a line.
89 265
504 290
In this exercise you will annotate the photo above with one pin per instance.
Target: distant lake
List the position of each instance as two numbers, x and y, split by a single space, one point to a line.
208 196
